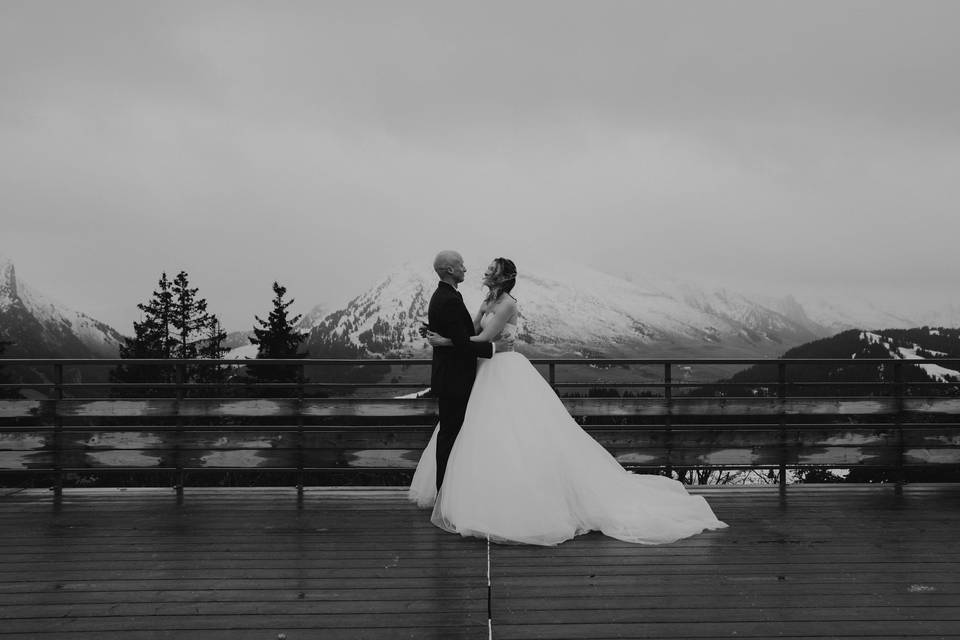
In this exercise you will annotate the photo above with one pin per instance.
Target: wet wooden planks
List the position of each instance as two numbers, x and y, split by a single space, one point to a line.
235 564
828 562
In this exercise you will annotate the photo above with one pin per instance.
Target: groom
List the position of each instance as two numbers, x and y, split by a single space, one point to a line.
454 368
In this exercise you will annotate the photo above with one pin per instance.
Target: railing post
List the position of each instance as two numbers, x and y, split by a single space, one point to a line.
782 397
301 377
898 390
179 474
553 377
668 416
57 433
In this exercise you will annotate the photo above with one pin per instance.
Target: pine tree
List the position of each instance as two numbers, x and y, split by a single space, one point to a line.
188 318
152 339
276 337
175 325
197 332
212 348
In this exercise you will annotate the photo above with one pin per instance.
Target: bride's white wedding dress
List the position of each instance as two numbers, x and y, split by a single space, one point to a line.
523 471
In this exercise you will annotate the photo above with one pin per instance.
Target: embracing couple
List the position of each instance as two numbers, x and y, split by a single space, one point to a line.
507 462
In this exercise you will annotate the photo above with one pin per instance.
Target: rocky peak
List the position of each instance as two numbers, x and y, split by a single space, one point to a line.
8 283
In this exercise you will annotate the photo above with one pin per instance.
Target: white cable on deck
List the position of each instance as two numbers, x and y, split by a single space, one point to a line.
489 596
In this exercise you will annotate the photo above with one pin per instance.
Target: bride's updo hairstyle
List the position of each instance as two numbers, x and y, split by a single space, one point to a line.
503 279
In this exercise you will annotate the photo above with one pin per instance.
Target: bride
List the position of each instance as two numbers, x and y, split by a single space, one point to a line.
523 471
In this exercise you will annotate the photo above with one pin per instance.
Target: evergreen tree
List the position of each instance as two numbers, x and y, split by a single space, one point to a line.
188 319
276 337
151 339
175 325
196 331
212 348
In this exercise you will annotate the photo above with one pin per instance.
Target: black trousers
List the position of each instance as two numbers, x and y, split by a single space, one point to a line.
452 410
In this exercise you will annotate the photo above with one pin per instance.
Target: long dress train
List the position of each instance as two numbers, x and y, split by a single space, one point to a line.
523 471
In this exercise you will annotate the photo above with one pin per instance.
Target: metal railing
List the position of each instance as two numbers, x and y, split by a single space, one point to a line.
653 414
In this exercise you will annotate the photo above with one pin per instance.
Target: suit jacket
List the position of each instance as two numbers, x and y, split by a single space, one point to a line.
454 368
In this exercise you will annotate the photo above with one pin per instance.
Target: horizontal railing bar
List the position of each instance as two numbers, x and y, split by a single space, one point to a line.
424 385
404 385
171 362
348 469
344 426
39 385
931 384
401 402
371 399
745 384
426 361
291 427
216 385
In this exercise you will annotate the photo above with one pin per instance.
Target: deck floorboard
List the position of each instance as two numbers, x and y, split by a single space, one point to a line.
239 564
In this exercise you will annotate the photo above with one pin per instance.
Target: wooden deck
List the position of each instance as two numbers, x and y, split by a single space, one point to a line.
826 562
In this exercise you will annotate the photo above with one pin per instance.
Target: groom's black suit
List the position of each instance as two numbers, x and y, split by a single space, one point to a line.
454 368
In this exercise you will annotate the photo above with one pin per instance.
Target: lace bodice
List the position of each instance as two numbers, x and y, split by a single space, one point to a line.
509 331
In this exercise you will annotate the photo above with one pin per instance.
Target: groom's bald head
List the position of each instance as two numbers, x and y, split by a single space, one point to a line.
449 265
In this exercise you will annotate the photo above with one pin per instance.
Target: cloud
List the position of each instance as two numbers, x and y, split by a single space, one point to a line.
772 144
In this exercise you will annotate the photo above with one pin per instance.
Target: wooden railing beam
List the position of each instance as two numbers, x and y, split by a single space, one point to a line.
782 398
67 432
58 434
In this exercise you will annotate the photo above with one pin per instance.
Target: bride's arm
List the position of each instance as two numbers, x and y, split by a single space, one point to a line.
438 340
478 316
458 339
502 314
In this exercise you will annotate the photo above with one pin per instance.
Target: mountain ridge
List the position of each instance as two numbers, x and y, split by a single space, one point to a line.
568 312
913 346
40 327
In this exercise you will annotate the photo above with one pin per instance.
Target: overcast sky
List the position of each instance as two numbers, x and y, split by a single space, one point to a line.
771 146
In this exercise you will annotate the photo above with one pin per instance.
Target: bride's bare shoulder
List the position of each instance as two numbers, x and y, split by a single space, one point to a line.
507 304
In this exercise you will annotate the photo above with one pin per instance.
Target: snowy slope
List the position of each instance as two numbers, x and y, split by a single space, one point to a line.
244 352
910 351
946 316
40 326
569 309
852 312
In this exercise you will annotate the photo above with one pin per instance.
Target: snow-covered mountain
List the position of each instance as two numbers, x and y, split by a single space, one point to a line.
238 345
836 314
919 347
313 317
946 316
570 311
919 344
40 327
